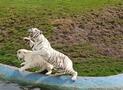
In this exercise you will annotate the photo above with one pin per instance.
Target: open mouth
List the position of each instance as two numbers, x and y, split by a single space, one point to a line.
31 34
20 58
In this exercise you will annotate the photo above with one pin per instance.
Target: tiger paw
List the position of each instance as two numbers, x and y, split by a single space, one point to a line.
26 38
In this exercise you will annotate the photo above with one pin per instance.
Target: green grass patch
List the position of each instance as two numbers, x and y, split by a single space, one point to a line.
10 59
101 66
54 8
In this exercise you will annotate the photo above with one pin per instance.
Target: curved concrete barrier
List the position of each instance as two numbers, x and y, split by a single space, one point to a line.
61 82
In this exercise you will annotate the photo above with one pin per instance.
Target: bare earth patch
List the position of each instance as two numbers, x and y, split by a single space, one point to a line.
102 28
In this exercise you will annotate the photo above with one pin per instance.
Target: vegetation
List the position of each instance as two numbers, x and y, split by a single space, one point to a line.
58 20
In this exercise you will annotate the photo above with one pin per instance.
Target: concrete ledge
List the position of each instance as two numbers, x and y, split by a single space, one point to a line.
61 82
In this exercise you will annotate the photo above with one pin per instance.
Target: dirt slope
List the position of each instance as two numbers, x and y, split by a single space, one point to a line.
103 29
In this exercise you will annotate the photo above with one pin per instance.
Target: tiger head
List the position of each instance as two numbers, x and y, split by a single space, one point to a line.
34 32
21 54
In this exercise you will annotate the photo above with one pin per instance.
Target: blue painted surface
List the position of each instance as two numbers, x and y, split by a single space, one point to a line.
61 82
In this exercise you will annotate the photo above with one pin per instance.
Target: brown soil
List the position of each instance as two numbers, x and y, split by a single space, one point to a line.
102 28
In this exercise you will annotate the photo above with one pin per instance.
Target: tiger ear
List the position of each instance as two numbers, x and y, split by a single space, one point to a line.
24 52
29 30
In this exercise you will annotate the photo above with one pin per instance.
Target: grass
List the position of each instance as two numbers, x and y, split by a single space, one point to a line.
53 9
99 66
16 16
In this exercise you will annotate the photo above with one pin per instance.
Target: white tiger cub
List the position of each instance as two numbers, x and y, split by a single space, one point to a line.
42 47
33 60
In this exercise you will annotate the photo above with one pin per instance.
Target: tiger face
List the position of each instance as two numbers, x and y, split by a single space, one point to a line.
21 53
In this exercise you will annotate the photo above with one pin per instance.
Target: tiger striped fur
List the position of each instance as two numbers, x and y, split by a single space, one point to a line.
41 46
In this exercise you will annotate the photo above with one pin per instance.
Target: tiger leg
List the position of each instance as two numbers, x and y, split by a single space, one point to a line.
49 69
59 74
73 73
27 66
23 63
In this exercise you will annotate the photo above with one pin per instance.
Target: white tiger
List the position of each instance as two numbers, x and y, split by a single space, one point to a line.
42 47
35 39
35 43
32 60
